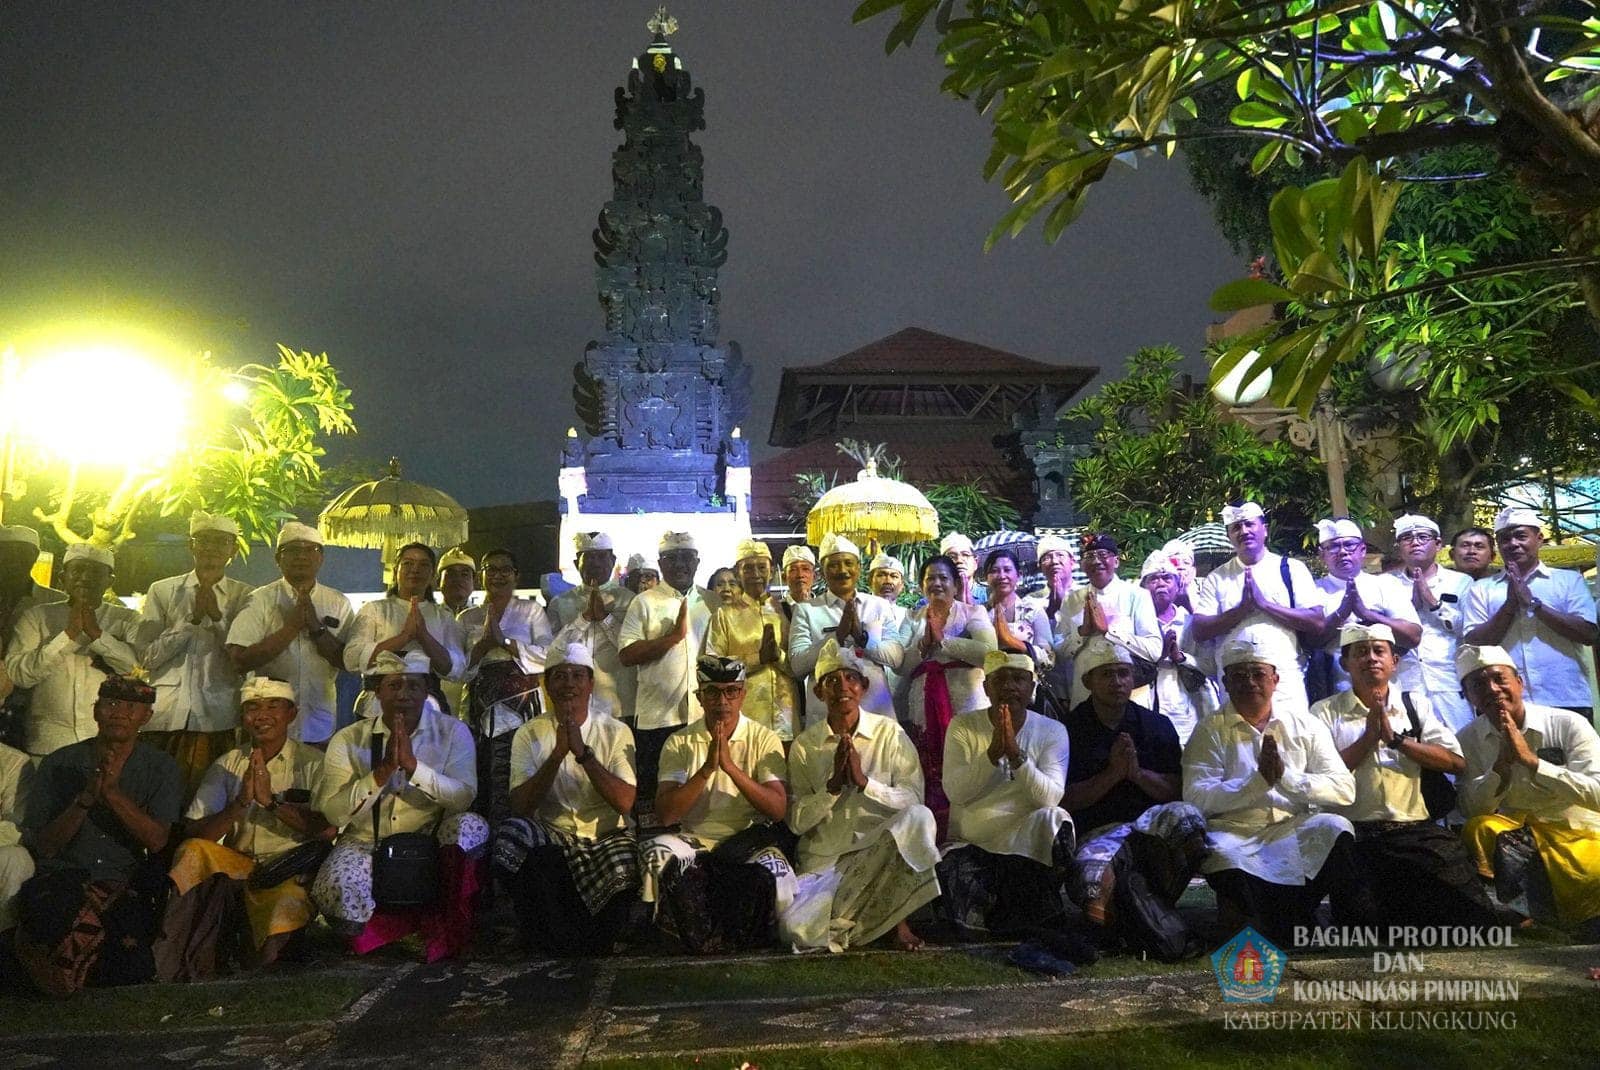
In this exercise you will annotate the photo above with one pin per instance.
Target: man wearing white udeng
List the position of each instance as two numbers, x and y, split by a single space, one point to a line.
1260 597
867 851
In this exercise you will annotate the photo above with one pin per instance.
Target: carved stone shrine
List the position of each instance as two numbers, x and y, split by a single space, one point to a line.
659 400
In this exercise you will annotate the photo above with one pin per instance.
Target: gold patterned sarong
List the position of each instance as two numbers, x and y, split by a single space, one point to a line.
283 908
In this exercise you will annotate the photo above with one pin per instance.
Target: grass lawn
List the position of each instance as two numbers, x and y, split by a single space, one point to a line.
812 975
139 1008
1548 1032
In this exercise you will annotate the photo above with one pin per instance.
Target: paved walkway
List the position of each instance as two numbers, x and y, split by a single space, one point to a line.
506 1012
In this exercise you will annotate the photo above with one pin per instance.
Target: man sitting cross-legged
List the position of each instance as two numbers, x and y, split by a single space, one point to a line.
1006 868
1140 843
567 856
1531 794
715 880
867 850
411 769
255 843
1265 779
98 812
1416 871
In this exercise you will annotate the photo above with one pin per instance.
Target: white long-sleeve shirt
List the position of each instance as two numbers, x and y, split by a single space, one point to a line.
61 670
1564 790
1018 814
1273 831
298 664
383 619
1130 623
832 825
445 783
813 624
197 687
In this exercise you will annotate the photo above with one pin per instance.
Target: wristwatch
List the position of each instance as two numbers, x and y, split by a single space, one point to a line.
588 752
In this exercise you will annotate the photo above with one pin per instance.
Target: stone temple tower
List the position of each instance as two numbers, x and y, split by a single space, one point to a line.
659 401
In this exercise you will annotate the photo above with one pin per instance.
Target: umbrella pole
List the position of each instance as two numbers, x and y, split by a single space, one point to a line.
390 545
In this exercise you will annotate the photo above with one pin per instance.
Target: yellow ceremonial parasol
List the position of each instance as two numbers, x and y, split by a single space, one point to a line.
873 510
387 513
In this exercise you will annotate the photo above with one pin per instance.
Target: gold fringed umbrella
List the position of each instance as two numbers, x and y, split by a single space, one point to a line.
387 513
873 510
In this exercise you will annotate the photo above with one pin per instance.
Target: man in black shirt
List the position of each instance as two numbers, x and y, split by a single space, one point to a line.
98 812
1124 792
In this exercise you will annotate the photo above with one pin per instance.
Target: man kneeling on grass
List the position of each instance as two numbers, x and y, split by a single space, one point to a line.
867 850
1531 794
398 786
97 817
1417 872
715 881
1006 869
255 844
567 857
1141 843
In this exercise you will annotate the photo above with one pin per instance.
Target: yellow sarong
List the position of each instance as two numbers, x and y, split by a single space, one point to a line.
271 911
1571 859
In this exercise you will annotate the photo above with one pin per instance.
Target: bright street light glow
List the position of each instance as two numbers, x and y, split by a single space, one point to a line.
236 392
101 402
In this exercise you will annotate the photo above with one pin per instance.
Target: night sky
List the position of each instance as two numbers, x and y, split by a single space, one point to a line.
412 187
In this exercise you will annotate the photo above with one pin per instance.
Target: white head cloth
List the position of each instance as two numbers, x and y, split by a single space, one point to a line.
82 551
19 533
1356 632
592 540
1232 514
264 687
1469 659
832 658
837 544
199 522
388 663
887 563
571 654
1097 652
1413 522
1343 528
955 542
294 531
1513 517
749 548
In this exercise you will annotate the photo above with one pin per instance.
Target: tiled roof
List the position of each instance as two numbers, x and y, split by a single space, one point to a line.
917 350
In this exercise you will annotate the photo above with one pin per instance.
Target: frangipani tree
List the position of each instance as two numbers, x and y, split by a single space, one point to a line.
1361 88
111 439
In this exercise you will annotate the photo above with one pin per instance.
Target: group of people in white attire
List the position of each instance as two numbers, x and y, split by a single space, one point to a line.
804 755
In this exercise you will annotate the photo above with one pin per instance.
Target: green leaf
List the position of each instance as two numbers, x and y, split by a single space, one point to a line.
1248 293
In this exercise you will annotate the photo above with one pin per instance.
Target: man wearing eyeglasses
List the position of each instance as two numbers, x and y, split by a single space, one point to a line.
1439 596
1108 606
1352 596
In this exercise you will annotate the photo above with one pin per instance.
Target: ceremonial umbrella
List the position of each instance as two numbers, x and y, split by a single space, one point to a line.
873 510
387 513
1210 544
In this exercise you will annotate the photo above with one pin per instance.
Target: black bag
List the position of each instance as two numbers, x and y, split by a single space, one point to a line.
1319 676
1144 919
405 865
1438 791
300 861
